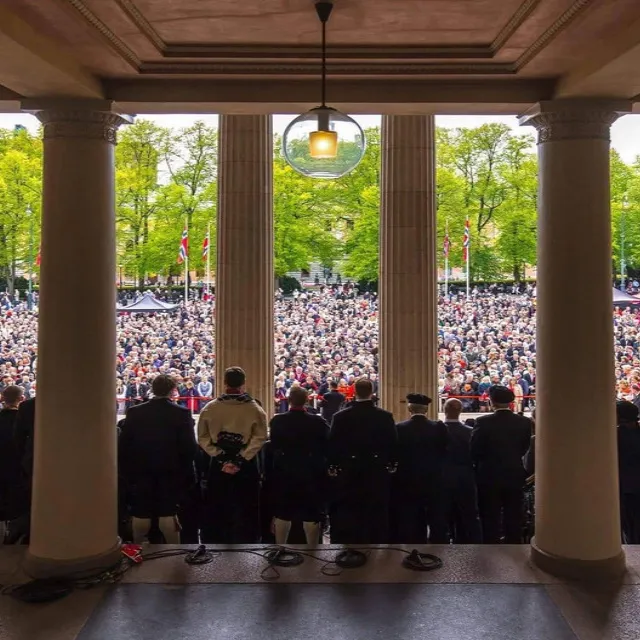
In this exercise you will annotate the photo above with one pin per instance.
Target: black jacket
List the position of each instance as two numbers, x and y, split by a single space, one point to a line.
629 459
300 435
157 449
11 474
362 435
498 443
331 404
299 465
24 434
421 453
459 451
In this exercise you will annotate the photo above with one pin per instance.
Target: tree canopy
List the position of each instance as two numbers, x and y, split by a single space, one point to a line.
168 178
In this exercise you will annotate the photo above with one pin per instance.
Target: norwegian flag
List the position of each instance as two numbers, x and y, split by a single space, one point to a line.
205 248
466 241
446 247
184 246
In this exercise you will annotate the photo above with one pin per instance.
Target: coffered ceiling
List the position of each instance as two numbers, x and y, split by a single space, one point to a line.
483 55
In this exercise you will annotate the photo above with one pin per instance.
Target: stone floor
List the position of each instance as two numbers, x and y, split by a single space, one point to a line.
480 593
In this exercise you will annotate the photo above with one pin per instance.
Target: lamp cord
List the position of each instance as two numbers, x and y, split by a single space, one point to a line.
324 63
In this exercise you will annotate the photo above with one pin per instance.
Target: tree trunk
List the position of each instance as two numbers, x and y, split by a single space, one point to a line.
136 250
11 280
517 276
145 241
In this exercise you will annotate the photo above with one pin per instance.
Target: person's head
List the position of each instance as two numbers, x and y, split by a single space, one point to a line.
501 397
298 397
12 396
334 385
418 403
364 389
452 409
235 378
163 386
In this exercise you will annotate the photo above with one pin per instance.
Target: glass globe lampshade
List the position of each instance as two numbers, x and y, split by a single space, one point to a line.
323 143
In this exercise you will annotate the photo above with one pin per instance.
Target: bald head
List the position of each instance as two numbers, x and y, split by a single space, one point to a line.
452 409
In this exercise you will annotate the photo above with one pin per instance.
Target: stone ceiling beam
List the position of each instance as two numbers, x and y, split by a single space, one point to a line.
356 96
32 64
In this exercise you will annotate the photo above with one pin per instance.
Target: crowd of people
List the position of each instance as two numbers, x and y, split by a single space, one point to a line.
323 335
329 453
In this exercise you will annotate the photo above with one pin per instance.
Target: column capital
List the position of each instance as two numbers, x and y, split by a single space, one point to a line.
89 119
572 119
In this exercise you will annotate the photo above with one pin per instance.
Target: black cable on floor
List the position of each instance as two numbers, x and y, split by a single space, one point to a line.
351 559
283 557
416 561
201 555
50 589
55 588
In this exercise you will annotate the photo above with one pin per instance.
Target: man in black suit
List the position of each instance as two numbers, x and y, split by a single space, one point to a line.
24 430
461 500
156 452
11 474
417 486
498 443
299 468
136 393
361 458
331 402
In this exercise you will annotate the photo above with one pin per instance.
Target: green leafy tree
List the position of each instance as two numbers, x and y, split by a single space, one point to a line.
487 174
516 224
192 162
304 219
20 196
138 190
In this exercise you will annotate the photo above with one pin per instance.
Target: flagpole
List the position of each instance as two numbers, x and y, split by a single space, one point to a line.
186 265
209 259
468 262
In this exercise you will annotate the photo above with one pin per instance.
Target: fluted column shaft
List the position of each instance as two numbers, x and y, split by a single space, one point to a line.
244 276
577 503
74 508
408 275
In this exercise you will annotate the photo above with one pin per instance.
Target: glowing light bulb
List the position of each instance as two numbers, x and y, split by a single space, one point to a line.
323 144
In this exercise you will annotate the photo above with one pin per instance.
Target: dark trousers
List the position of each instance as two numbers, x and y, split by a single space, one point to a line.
630 517
418 519
232 506
190 515
462 507
501 512
360 523
359 509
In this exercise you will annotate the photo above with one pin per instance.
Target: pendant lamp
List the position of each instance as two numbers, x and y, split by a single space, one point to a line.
323 142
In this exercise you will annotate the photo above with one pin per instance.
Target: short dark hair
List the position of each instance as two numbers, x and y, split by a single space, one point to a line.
333 384
298 396
12 394
163 385
364 388
235 377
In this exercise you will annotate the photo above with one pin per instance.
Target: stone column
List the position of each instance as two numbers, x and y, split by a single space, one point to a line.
577 504
74 509
408 273
244 275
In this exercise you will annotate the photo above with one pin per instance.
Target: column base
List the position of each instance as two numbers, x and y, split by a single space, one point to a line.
608 569
38 567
